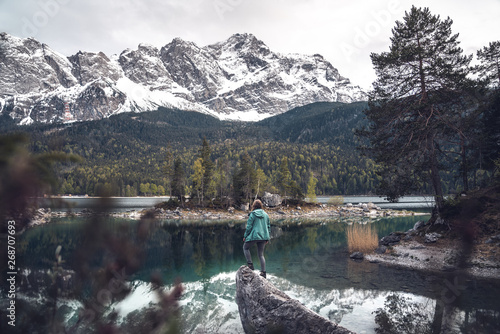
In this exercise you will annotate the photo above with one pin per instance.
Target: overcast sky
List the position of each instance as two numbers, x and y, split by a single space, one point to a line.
344 32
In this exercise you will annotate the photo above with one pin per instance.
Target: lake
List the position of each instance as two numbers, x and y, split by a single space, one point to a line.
307 259
137 203
78 203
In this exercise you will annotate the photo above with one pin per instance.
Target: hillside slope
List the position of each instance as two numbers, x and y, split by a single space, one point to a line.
131 149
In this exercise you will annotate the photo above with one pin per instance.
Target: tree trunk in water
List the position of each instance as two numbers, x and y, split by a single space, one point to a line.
437 322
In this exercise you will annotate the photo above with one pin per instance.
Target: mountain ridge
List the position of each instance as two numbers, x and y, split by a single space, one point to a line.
128 149
236 79
329 122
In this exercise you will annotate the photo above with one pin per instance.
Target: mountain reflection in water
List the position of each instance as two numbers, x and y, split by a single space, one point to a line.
307 259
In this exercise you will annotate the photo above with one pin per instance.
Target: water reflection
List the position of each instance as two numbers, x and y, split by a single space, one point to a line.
307 259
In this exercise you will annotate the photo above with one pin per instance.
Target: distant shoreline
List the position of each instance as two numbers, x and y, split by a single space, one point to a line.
310 211
166 196
406 202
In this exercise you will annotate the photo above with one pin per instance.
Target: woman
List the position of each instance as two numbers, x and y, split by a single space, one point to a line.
257 233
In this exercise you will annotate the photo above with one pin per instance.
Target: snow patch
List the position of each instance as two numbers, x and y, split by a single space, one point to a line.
245 116
253 82
142 296
27 121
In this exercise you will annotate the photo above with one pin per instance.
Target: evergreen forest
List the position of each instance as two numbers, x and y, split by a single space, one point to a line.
308 151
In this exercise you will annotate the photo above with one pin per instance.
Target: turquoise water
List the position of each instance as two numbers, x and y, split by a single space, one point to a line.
196 250
307 259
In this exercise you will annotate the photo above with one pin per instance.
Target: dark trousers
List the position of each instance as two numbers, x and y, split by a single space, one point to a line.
261 244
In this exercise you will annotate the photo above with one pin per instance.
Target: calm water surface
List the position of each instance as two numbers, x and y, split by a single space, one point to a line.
137 203
308 260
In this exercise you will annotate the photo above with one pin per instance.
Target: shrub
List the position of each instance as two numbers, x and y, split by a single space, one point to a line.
171 204
336 201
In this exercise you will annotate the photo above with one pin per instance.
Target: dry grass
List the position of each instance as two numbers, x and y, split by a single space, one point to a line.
336 201
361 238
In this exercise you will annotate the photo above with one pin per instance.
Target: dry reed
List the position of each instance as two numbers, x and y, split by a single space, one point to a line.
361 238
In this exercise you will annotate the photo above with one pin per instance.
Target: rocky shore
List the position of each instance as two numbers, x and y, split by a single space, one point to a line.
417 248
43 216
420 249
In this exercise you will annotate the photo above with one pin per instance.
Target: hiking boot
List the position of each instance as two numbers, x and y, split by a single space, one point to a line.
263 274
250 265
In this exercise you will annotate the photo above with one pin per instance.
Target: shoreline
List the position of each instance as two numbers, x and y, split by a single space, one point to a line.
413 255
418 249
368 210
411 251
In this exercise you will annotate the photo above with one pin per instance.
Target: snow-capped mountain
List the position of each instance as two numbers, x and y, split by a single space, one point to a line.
240 78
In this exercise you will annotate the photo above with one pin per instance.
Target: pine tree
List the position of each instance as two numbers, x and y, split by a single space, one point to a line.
177 184
490 131
198 179
489 69
261 178
284 177
168 169
208 168
244 181
489 72
223 180
203 181
419 83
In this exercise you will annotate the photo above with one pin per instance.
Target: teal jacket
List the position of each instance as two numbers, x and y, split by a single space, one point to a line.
258 226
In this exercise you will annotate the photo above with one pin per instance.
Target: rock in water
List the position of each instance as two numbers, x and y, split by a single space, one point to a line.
265 309
390 240
357 256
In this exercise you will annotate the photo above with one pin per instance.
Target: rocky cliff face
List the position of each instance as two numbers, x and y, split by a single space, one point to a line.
240 78
265 309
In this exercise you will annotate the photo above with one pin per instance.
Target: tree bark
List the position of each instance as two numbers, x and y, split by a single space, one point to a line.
437 322
465 172
436 178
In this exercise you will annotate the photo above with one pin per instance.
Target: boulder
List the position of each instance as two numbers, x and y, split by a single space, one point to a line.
271 200
418 225
432 237
265 309
357 256
390 240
